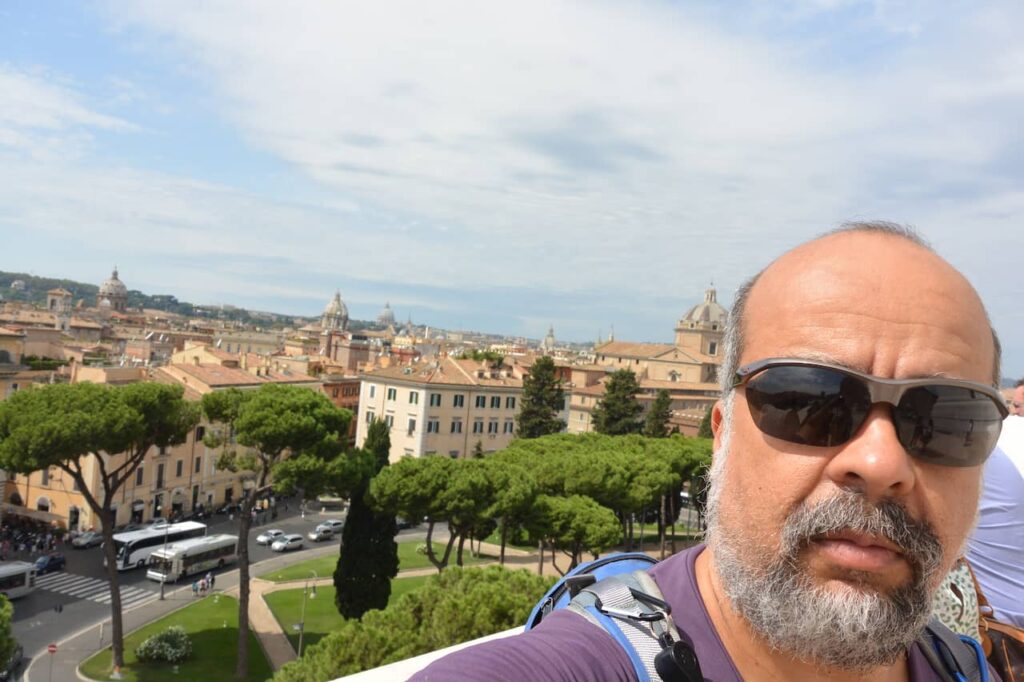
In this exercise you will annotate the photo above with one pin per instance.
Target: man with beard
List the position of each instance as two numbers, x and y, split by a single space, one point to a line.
858 406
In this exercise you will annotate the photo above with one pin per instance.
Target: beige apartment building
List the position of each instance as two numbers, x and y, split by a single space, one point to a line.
444 406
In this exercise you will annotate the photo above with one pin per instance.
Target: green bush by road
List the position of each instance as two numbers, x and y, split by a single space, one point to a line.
212 624
322 616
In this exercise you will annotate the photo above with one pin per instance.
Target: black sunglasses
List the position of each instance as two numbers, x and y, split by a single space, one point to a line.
943 421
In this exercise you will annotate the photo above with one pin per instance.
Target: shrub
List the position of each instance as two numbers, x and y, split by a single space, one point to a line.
172 645
457 605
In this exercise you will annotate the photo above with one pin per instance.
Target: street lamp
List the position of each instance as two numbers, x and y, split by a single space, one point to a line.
302 616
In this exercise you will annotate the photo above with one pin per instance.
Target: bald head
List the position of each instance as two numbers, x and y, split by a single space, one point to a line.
867 278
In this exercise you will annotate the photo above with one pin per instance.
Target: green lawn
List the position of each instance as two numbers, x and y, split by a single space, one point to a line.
408 558
213 647
321 615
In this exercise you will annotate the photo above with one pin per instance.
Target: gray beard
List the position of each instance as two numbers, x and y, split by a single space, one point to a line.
852 627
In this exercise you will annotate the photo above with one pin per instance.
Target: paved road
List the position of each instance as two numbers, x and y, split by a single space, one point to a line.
82 592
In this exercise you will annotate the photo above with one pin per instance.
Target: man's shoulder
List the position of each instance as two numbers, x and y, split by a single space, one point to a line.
563 647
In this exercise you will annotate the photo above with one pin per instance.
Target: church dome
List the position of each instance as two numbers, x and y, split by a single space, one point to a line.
387 316
336 308
113 286
708 312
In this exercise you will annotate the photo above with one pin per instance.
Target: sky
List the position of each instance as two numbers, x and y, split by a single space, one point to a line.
504 166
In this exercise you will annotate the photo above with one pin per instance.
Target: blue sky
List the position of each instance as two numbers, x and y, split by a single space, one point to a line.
503 167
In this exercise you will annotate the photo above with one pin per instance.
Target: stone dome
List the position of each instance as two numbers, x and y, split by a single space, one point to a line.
113 286
708 312
335 314
387 316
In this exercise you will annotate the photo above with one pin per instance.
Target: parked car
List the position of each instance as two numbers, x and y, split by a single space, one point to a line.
50 562
287 543
88 539
128 527
403 523
333 525
268 537
200 513
13 664
318 534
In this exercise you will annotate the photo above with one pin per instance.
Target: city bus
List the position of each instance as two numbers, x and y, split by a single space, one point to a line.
197 555
17 578
133 549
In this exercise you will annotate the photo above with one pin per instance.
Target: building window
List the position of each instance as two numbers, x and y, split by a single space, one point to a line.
509 426
159 476
44 477
412 427
408 452
713 348
510 403
200 432
414 397
373 390
435 400
369 416
495 402
481 401
138 476
179 468
458 400
433 426
454 454
334 392
75 486
389 419
199 464
392 393
478 426
456 426
492 426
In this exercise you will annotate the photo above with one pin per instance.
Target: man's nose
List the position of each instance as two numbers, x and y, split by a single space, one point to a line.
874 461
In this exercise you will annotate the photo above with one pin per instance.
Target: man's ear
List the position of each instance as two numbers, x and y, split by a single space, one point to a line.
716 423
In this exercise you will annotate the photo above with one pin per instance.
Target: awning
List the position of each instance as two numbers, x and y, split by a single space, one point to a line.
46 517
137 505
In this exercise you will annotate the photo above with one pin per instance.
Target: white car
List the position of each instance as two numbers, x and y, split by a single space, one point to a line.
268 537
287 542
333 525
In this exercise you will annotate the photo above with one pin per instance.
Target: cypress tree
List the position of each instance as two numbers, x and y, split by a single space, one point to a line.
618 412
543 399
369 553
704 431
656 423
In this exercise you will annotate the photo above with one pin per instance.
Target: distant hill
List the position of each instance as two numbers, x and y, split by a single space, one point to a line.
36 288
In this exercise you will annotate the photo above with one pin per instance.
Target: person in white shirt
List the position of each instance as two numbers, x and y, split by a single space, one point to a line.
996 549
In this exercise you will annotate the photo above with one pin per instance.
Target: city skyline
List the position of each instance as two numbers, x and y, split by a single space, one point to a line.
580 165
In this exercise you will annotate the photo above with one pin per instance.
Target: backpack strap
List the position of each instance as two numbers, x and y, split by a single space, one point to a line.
639 625
956 658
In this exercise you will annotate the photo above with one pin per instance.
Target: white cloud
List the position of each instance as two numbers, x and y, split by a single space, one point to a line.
573 147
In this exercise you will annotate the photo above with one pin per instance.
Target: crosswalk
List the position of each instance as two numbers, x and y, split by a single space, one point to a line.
94 589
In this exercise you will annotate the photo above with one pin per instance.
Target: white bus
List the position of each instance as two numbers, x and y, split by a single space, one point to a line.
17 578
197 555
133 549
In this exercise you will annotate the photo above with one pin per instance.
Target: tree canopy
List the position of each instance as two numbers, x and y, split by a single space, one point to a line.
63 425
453 607
7 641
542 401
618 412
656 421
259 429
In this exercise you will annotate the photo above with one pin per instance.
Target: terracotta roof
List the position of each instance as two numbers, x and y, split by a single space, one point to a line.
447 371
633 350
59 291
679 385
84 324
4 331
162 377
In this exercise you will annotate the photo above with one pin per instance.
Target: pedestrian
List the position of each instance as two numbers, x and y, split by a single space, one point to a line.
209 580
195 588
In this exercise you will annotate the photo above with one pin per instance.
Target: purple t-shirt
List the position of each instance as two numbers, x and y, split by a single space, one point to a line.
567 647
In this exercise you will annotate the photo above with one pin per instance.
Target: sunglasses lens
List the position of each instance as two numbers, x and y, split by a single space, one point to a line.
948 425
807 405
